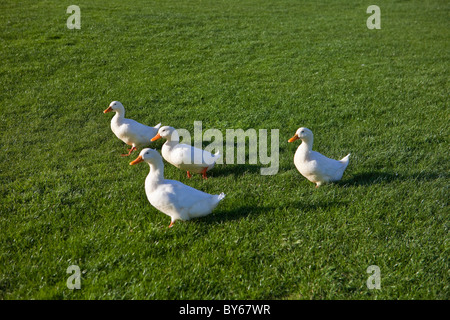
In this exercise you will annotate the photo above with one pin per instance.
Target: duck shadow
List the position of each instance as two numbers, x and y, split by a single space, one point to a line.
234 214
370 178
235 169
314 206
244 212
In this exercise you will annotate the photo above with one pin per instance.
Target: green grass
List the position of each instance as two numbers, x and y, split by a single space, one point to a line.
67 197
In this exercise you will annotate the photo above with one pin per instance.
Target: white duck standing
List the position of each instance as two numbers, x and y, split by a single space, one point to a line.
184 156
171 197
131 132
313 165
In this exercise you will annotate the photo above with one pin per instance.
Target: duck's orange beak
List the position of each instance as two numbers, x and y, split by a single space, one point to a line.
156 137
295 137
108 110
137 160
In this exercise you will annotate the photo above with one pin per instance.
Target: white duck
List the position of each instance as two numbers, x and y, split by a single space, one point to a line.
313 165
129 131
184 156
171 197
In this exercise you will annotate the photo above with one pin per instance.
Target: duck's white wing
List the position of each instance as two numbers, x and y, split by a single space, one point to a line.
196 156
137 132
185 195
187 201
327 167
176 155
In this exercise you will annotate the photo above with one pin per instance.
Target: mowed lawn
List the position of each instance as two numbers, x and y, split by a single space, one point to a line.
67 197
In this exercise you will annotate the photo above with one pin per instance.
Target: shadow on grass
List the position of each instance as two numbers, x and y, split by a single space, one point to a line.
370 178
315 206
235 214
234 169
254 211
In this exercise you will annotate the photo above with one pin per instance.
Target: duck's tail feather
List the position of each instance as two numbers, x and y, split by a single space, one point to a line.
206 206
345 159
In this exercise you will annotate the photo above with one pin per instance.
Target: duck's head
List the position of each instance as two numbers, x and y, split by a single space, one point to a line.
147 155
303 134
166 132
114 106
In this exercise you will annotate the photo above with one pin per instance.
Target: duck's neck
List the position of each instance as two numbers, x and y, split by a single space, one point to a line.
305 148
173 139
156 173
120 114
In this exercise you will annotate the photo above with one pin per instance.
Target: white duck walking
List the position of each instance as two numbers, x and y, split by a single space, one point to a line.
131 132
313 165
184 156
171 197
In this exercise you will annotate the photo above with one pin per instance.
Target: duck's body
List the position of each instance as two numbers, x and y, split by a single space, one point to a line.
171 197
313 165
133 133
184 156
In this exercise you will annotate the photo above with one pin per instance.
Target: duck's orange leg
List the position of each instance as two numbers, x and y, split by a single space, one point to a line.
171 224
204 173
189 174
130 151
